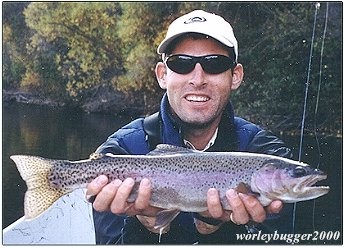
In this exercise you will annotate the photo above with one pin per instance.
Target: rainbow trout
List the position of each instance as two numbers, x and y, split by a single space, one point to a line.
180 177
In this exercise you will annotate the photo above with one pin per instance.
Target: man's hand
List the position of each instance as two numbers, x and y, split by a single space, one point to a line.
113 196
244 208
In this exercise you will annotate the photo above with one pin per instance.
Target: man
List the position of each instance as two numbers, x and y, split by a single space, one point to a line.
199 70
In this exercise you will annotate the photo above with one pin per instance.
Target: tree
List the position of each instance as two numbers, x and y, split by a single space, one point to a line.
87 49
139 26
15 36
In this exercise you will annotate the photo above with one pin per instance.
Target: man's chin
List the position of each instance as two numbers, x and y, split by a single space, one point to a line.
197 124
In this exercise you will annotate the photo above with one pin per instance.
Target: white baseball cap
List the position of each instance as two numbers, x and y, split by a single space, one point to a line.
199 21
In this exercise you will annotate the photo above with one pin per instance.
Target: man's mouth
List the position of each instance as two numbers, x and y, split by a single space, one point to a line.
195 98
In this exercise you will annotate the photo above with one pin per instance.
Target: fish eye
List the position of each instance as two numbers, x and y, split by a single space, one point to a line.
300 171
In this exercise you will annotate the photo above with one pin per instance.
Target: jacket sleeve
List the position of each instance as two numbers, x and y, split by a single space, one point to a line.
111 146
130 139
267 143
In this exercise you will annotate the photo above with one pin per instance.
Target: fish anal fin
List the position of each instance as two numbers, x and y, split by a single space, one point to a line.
165 217
246 189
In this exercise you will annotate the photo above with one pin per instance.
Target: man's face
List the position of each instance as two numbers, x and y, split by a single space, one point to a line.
198 98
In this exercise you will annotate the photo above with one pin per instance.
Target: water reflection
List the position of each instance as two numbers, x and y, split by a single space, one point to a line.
66 134
46 132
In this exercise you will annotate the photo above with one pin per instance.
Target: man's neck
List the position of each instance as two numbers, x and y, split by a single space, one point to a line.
200 137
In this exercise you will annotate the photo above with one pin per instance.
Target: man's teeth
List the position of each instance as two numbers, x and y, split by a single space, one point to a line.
197 98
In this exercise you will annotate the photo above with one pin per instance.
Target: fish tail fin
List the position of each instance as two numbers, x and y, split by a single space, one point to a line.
40 195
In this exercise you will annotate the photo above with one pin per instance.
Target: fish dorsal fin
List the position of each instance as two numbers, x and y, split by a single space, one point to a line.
165 149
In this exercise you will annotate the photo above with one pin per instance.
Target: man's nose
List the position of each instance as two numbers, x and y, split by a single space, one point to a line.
197 76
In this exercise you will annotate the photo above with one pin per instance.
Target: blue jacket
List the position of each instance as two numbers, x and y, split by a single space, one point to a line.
234 134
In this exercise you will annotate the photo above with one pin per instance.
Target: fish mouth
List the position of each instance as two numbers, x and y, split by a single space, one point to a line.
309 190
312 180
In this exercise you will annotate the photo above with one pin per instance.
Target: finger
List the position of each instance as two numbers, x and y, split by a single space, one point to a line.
106 195
275 207
94 187
214 203
239 214
144 195
253 207
119 205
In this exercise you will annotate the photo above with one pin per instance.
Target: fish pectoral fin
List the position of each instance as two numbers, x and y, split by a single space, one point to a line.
246 189
165 217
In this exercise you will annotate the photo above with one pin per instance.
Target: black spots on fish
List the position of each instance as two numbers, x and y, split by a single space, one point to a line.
58 175
55 181
168 185
196 167
65 174
173 170
242 177
63 185
206 165
119 173
210 184
185 170
235 161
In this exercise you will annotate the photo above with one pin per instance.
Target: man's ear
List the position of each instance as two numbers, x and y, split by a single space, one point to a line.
160 73
237 77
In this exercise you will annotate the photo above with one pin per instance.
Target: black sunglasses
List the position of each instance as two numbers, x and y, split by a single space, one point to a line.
211 64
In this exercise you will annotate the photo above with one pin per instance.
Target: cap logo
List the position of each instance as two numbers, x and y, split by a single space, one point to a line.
195 19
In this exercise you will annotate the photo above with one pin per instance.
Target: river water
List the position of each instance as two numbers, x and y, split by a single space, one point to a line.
69 134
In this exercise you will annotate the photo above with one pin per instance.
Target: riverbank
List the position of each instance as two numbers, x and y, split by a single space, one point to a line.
9 96
103 101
